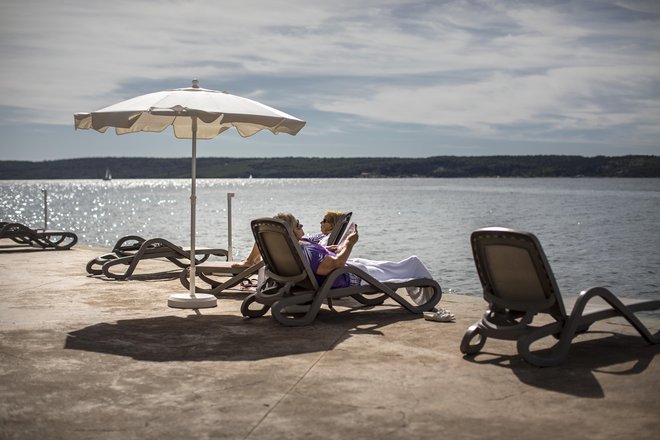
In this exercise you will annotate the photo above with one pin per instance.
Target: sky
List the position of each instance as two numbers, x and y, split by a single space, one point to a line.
381 78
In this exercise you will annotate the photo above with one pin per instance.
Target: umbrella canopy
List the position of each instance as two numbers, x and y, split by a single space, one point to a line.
194 113
215 111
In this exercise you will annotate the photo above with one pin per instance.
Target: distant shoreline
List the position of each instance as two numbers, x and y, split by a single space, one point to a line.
364 167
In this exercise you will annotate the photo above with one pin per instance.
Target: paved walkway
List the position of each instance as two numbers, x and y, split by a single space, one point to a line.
87 358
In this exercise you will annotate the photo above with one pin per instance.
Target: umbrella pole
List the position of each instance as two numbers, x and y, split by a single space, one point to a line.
193 207
193 300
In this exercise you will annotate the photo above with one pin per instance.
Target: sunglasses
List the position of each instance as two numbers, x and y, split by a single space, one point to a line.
298 225
325 220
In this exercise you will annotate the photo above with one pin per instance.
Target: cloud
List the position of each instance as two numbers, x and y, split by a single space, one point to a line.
538 66
571 96
500 68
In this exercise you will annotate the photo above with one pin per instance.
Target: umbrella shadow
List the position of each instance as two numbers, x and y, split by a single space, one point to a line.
616 355
224 337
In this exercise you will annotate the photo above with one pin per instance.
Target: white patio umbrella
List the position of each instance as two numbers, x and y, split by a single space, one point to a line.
194 113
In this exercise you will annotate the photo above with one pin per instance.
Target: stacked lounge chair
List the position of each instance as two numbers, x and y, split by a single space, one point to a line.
132 249
518 284
45 239
234 273
291 282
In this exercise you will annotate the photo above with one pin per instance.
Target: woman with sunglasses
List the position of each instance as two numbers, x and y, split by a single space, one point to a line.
330 219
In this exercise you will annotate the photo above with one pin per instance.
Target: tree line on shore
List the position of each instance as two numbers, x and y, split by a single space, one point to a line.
365 167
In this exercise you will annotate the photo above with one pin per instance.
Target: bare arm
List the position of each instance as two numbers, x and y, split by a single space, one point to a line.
330 263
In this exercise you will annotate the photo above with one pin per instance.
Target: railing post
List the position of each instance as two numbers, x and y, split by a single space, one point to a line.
45 191
230 251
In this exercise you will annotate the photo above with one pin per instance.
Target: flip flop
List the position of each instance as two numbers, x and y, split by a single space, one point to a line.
248 284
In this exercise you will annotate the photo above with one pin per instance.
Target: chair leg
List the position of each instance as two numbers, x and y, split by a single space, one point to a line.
252 313
369 301
558 352
131 262
471 333
313 310
619 308
217 287
387 290
577 322
99 261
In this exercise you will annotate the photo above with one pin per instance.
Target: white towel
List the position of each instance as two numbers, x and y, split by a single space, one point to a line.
400 271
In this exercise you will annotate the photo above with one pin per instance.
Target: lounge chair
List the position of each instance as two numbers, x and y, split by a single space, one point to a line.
132 249
233 273
518 284
291 282
45 239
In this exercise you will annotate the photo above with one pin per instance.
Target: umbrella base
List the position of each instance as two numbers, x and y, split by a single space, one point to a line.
185 301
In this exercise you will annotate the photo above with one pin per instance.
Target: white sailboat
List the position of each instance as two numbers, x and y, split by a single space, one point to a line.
107 176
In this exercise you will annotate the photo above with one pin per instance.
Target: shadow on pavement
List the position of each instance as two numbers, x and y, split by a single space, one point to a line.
226 337
616 354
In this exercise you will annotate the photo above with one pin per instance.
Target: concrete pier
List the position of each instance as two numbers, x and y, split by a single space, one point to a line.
83 357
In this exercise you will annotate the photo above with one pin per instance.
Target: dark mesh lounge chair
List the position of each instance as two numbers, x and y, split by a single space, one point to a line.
241 273
131 249
290 280
45 239
518 284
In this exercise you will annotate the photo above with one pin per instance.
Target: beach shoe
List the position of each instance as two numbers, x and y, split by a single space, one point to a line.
439 315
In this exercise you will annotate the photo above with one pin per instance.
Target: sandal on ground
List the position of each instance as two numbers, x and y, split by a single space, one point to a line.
439 315
248 284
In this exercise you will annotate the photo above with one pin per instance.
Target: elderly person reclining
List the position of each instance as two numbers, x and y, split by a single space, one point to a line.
330 219
323 261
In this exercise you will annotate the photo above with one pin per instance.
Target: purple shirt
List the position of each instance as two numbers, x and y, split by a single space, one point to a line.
315 253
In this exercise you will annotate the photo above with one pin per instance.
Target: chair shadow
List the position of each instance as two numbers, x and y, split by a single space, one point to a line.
616 354
225 337
152 276
23 249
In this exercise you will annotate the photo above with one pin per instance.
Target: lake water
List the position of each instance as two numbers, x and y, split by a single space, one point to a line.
594 231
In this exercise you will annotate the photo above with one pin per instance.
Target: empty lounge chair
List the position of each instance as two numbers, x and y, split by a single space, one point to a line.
131 249
45 239
291 282
519 284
